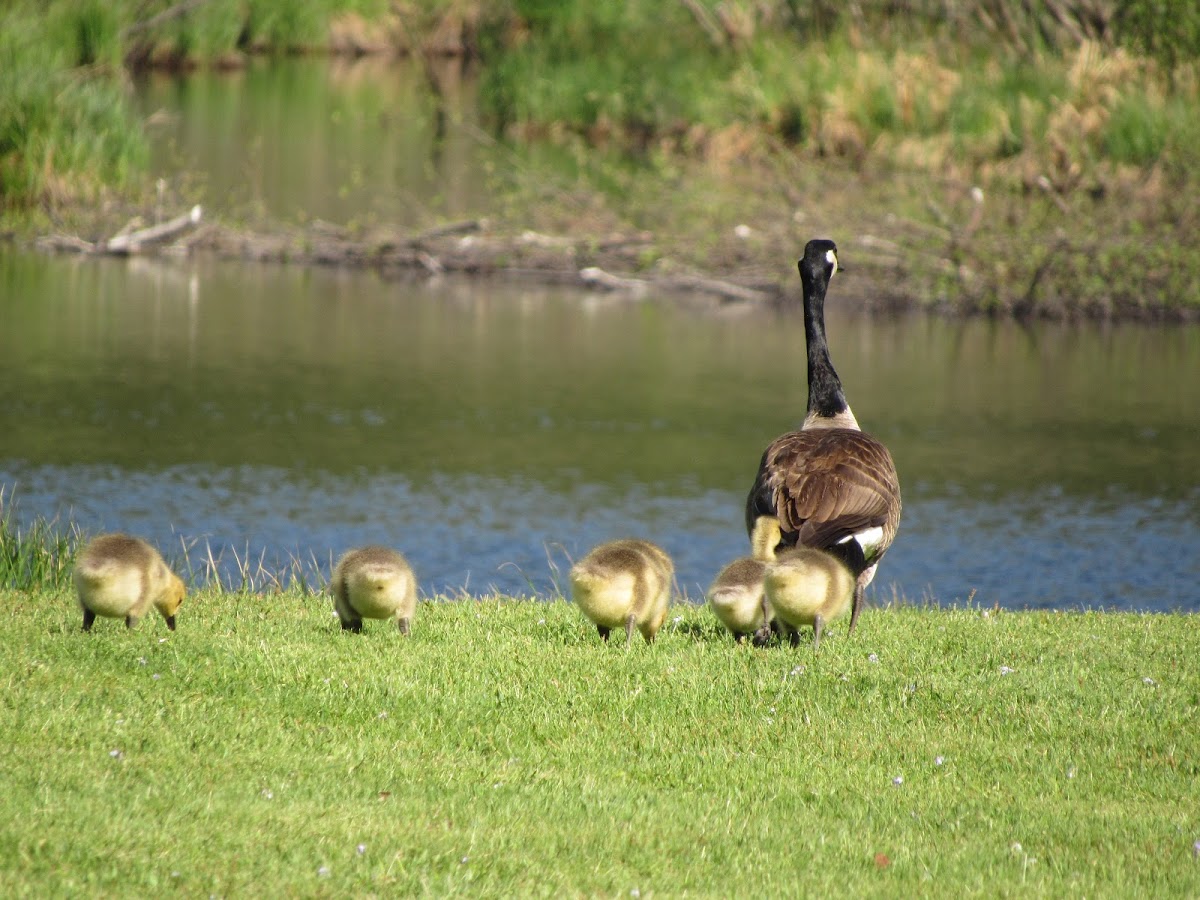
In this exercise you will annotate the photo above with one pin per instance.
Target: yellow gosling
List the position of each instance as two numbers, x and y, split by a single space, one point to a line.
118 576
625 583
736 595
374 583
808 587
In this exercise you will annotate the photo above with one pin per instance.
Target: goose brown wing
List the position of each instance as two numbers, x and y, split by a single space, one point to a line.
826 484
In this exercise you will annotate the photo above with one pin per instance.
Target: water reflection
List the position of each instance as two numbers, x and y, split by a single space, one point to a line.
287 414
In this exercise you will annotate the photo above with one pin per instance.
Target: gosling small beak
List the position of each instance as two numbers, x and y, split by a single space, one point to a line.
171 622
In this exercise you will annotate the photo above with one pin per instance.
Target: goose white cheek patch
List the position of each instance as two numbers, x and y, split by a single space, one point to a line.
831 258
869 539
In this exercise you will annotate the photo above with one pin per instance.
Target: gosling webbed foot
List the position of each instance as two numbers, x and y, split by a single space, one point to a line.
604 632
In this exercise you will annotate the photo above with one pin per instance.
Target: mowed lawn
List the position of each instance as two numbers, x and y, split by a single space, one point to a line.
502 750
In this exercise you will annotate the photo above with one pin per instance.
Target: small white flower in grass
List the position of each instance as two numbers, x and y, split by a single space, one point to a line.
116 754
898 780
267 794
156 676
323 872
1148 680
360 849
939 760
1196 850
873 658
1016 847
985 615
634 892
1071 772
382 715
174 874
162 640
541 621
799 670
141 660
463 861
1007 670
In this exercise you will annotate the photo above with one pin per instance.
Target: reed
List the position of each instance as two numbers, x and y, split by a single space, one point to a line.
38 557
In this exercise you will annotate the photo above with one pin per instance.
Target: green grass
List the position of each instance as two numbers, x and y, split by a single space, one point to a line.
40 556
503 750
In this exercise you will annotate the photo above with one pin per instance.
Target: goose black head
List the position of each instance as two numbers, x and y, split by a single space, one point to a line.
819 262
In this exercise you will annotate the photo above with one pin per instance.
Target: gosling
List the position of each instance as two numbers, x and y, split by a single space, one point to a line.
624 583
806 586
121 576
736 595
374 583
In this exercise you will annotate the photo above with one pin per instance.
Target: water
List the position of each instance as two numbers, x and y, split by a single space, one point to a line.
493 431
266 417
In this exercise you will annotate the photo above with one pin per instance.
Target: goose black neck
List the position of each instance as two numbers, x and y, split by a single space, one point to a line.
825 396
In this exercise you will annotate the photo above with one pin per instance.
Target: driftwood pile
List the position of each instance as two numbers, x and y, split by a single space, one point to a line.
604 264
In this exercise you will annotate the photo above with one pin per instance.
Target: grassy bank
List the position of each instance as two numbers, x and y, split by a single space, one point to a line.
503 750
1080 128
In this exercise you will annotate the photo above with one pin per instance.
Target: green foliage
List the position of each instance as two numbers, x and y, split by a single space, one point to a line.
1136 132
39 558
503 750
1163 29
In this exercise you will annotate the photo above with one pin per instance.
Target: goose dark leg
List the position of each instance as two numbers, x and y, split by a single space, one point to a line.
856 608
88 618
130 621
604 631
794 637
356 627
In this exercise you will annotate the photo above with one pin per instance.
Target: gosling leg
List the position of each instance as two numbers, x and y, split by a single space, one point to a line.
629 623
404 625
130 621
170 623
818 623
604 632
794 637
355 626
88 618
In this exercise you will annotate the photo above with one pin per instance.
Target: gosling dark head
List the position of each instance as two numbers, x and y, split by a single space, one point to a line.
819 261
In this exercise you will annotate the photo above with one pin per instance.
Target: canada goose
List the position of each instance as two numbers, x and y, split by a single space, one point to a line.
805 586
736 595
833 486
374 583
624 583
121 576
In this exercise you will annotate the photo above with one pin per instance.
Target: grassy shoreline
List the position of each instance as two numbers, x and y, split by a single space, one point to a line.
504 750
1083 144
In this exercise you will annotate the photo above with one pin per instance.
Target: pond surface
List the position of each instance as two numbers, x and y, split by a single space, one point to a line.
273 417
266 418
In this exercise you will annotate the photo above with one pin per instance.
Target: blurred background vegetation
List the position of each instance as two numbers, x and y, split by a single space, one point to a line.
1063 102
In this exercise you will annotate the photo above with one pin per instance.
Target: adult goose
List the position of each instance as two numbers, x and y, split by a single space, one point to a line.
832 486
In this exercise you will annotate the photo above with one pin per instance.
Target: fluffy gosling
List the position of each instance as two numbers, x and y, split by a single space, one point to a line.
736 595
625 583
118 576
374 583
806 586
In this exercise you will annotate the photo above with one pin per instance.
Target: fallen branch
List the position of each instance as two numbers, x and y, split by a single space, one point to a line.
132 242
595 277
